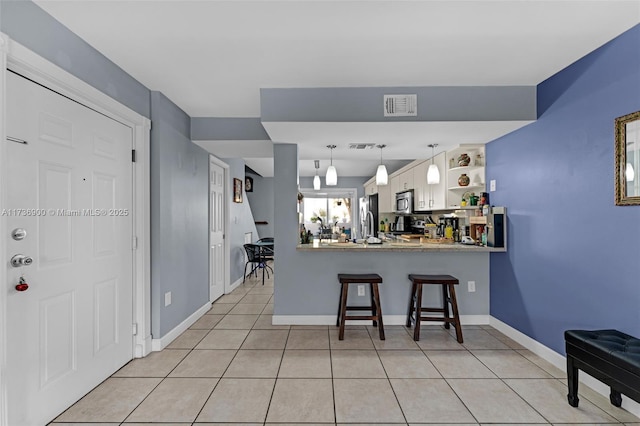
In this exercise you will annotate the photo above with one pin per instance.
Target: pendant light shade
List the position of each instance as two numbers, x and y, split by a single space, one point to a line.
630 173
316 178
331 179
382 177
433 174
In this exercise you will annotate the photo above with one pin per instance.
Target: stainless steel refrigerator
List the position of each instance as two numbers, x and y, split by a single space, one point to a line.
369 216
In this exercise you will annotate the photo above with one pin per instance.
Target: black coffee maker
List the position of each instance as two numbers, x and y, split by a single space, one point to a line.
401 224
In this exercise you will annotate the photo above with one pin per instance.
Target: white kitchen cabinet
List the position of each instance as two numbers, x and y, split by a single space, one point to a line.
406 180
434 196
420 187
438 191
385 203
370 187
475 171
394 183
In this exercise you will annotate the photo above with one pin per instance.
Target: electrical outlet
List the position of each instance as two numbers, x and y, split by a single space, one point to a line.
361 290
167 298
472 286
492 185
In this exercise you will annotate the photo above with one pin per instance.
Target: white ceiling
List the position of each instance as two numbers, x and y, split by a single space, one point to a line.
211 57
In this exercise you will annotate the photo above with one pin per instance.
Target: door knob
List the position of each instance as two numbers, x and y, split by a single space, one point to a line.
21 260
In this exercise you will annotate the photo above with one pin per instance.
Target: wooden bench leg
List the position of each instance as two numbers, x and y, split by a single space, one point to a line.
572 379
343 313
445 305
411 297
615 398
378 307
416 330
456 314
373 303
339 306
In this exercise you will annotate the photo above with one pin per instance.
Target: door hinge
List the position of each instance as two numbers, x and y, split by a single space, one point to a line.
133 155
134 329
134 243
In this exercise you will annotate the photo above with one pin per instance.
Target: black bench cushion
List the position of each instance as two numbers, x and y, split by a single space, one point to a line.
611 345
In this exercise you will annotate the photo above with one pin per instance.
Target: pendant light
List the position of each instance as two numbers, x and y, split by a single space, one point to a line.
331 179
433 174
316 178
382 177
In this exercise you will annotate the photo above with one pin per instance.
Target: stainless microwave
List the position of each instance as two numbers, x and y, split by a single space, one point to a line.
404 202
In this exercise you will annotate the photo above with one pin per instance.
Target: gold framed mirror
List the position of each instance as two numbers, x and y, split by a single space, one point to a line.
627 151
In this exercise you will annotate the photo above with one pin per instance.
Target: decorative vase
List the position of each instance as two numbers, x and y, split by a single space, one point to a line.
463 180
464 160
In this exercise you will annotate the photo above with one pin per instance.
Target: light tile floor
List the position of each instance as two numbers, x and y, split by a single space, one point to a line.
233 367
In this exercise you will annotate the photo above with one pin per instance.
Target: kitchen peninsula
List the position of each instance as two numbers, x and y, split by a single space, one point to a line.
396 246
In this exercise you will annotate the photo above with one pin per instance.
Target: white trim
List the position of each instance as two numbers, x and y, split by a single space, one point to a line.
560 362
4 46
227 229
18 58
164 341
388 320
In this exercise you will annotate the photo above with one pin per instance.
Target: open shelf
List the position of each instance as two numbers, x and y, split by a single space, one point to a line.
468 187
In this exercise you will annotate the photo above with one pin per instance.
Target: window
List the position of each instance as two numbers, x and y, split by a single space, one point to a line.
326 209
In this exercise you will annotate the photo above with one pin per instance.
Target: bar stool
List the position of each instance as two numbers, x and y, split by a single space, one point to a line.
448 297
376 311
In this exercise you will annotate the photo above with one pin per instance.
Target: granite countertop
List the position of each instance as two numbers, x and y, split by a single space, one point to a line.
398 246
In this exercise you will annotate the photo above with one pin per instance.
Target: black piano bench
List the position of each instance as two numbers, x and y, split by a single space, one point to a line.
610 356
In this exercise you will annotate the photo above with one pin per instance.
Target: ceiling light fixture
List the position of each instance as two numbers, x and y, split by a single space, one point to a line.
316 178
382 177
331 179
433 174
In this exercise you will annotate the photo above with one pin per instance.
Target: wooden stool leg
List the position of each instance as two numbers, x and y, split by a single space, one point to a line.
445 305
343 312
572 381
339 306
373 303
378 307
456 315
411 297
416 331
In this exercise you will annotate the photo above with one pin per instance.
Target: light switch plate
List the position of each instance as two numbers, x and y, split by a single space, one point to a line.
361 290
167 298
492 185
472 286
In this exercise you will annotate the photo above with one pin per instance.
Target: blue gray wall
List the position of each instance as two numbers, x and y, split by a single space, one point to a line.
344 104
241 220
261 202
179 217
573 259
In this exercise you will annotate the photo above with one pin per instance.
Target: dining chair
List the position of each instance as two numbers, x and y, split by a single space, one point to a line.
257 259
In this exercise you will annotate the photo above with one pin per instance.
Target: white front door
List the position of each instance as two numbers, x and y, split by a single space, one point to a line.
216 230
70 188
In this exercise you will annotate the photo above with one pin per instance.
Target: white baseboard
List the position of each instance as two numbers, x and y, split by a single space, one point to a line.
560 362
233 285
144 349
388 320
164 341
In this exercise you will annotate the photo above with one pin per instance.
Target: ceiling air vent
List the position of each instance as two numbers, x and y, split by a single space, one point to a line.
361 145
400 105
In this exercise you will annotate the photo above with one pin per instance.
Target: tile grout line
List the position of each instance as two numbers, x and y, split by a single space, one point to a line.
404 416
275 381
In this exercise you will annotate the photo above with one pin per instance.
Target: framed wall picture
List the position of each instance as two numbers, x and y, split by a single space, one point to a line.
237 190
248 184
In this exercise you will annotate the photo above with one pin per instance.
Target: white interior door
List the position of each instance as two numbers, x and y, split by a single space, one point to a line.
70 188
216 230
